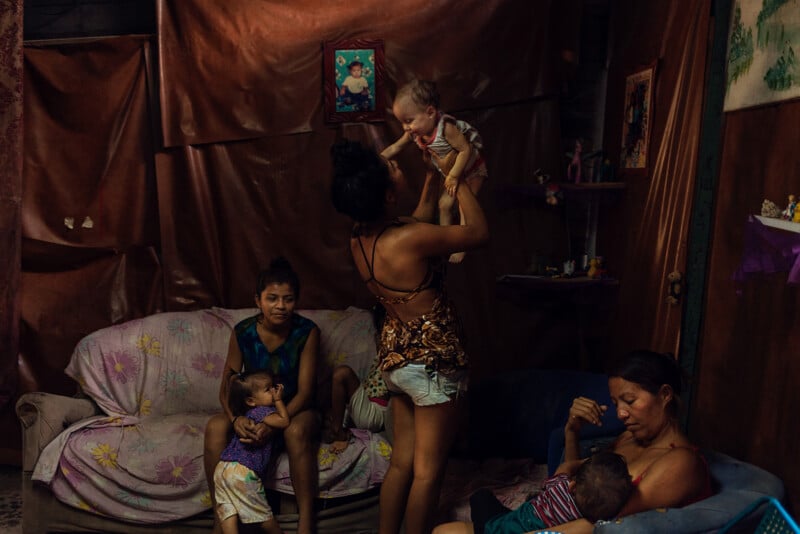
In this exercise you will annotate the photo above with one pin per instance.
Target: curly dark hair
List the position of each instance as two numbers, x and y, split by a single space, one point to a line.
360 181
279 272
602 486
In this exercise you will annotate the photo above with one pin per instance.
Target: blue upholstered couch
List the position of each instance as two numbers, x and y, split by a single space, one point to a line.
522 414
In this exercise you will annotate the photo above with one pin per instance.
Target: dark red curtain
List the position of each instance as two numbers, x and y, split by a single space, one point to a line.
255 69
116 225
10 206
90 225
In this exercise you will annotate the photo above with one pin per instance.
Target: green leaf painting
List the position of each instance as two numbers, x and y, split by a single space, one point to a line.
762 63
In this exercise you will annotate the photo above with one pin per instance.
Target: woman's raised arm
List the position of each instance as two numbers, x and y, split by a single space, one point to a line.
426 207
582 411
430 240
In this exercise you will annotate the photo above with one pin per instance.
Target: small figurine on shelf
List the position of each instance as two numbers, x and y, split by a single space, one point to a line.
596 269
593 268
540 177
770 209
607 172
788 213
569 268
796 216
553 194
551 271
574 167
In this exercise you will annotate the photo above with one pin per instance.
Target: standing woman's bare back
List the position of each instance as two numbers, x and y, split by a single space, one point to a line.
406 285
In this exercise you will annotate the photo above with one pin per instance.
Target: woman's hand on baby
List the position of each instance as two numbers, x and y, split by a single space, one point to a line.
263 432
246 429
585 410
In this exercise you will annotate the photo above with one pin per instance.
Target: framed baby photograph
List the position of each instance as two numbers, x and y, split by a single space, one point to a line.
353 80
637 120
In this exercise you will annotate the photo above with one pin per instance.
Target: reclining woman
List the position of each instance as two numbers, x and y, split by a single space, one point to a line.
420 352
286 344
667 470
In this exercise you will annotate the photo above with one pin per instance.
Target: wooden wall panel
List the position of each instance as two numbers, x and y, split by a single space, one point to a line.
748 396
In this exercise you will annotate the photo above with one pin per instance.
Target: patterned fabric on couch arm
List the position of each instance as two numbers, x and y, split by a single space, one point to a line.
155 380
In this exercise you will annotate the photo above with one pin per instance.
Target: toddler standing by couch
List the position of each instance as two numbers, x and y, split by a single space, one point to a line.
452 145
238 488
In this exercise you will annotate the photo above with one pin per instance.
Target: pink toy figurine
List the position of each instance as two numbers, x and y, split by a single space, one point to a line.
574 168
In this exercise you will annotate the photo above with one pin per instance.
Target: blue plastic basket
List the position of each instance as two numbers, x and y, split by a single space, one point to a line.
774 521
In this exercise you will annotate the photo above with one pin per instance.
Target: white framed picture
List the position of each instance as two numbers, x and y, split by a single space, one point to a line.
763 46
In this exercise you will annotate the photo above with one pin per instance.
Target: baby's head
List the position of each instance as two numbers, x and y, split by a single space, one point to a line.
602 486
248 390
355 68
416 106
420 92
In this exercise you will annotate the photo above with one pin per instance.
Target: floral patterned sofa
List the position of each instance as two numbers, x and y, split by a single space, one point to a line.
126 455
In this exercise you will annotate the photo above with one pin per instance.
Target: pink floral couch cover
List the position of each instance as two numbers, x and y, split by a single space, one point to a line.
157 380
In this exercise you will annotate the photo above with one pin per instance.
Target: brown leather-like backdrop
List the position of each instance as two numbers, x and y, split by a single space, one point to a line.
163 173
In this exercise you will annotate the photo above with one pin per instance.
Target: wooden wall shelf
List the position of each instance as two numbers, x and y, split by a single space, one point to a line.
779 223
533 282
520 195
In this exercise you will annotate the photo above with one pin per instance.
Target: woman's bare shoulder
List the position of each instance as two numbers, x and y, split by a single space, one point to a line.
677 475
687 457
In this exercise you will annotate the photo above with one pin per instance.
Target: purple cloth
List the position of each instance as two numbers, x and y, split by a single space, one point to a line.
769 250
254 457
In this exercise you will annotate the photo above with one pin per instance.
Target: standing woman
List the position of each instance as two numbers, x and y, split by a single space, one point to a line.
420 352
287 344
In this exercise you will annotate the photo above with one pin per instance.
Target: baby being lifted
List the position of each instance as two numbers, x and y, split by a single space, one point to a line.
452 145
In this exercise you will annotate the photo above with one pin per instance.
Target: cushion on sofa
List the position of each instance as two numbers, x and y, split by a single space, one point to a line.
157 381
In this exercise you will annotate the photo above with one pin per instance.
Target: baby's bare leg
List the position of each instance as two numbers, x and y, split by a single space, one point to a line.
474 183
271 526
344 384
446 208
447 205
230 525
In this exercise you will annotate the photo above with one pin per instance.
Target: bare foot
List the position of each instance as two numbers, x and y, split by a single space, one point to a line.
328 436
457 257
340 440
339 446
